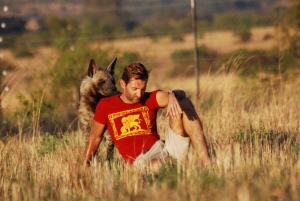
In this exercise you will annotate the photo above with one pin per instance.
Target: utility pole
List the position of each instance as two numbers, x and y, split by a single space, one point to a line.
196 62
1 120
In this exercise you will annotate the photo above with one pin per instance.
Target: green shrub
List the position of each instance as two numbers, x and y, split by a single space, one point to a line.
8 40
61 33
244 34
244 20
93 31
250 62
22 52
249 135
48 143
183 61
225 21
176 37
68 72
35 114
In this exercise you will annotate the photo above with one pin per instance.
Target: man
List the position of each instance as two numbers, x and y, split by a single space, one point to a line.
130 118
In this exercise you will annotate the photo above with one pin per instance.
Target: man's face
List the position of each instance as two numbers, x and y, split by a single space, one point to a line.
134 91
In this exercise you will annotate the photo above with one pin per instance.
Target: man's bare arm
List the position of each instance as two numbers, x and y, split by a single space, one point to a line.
93 142
170 100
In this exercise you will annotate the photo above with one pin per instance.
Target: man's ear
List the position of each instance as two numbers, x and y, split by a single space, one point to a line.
122 83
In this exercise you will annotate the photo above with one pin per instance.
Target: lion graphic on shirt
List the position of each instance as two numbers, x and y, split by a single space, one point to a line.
129 122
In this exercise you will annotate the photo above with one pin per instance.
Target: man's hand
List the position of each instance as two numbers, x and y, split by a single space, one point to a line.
173 107
170 100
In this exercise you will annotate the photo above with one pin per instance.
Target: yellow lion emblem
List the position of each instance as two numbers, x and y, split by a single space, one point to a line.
129 122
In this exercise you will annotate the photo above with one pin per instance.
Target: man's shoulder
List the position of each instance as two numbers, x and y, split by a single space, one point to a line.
151 99
153 92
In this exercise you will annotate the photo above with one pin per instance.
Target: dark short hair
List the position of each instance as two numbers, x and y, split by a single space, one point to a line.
135 71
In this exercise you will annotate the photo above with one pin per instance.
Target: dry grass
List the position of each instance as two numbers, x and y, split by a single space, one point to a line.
220 41
43 59
264 165
252 128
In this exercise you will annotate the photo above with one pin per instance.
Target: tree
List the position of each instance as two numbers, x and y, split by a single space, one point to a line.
289 23
104 11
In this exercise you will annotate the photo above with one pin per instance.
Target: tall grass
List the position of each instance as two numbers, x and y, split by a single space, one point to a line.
252 129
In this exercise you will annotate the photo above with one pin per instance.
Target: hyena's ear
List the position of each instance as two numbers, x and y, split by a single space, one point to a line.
92 68
111 67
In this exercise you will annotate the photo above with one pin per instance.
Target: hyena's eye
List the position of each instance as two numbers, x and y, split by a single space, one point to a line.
102 81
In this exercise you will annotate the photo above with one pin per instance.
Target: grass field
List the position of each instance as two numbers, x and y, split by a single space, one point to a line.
252 129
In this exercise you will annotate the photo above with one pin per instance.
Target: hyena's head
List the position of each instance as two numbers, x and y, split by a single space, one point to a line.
102 80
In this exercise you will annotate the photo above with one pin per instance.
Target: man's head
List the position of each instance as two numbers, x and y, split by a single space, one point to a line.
134 82
135 71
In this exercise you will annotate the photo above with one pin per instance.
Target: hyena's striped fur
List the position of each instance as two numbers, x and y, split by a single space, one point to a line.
97 84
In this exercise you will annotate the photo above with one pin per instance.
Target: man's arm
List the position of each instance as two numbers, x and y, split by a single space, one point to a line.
94 141
170 100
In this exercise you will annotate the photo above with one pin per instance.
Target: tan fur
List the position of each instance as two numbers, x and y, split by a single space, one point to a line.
98 83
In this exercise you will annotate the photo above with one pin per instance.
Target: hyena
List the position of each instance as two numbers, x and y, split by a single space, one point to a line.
98 83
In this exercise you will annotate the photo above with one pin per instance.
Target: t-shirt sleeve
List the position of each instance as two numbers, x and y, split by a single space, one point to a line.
154 100
100 113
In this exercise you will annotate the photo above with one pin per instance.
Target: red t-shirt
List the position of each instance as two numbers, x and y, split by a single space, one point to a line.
132 126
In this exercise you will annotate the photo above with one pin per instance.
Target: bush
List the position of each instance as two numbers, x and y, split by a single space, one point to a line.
176 37
244 34
32 113
287 19
243 20
250 62
183 61
22 52
225 21
62 33
49 143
